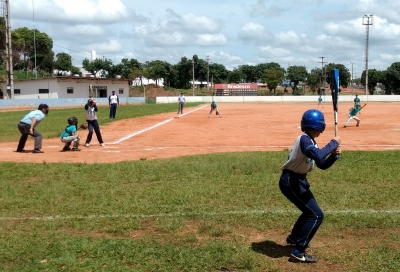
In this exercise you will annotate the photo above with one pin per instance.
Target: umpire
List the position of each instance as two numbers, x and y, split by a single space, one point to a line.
27 127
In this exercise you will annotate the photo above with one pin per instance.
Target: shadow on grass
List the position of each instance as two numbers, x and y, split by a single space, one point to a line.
272 249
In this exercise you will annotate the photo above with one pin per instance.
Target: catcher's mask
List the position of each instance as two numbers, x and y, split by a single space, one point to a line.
72 120
313 119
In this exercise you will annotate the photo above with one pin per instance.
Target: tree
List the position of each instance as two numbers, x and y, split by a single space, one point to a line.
374 77
200 70
314 79
97 65
296 74
249 73
273 77
218 73
344 74
24 43
182 74
158 69
75 71
235 76
391 78
62 63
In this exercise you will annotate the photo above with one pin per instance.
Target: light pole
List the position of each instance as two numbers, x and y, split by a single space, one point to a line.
193 75
322 73
208 70
367 20
352 91
34 34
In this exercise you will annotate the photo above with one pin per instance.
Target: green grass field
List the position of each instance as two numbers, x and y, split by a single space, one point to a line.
220 212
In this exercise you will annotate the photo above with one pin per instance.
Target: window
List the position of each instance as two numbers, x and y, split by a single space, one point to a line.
17 91
42 91
121 90
70 90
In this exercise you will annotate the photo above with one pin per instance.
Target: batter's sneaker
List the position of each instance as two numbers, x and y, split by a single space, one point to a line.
87 145
102 144
302 258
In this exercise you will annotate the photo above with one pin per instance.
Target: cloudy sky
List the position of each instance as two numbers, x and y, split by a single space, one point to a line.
230 32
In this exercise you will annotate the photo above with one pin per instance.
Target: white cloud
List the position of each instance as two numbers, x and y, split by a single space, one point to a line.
253 32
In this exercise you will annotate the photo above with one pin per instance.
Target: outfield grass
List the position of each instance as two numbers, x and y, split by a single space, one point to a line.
196 213
56 120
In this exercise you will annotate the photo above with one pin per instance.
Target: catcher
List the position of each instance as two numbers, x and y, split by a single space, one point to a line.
69 135
214 108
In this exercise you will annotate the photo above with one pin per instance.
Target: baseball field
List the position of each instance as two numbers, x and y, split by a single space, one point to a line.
174 192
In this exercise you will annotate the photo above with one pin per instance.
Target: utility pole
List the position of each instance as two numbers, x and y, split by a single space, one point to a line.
208 71
193 75
9 62
34 35
352 91
323 75
367 20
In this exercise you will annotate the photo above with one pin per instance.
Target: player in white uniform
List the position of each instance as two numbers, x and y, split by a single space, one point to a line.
294 185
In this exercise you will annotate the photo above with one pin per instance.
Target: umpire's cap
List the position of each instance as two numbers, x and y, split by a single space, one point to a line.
43 106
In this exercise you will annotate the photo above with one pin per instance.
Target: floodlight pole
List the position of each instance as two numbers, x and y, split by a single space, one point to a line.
208 70
193 75
9 62
352 90
367 20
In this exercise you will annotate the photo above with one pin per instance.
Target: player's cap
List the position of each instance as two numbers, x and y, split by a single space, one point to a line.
43 106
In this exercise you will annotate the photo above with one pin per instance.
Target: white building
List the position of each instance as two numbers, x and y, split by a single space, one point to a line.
67 87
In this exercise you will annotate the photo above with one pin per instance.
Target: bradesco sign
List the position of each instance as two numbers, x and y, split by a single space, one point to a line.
242 86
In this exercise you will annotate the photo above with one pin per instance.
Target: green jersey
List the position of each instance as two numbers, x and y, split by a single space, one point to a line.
320 99
357 101
354 111
213 105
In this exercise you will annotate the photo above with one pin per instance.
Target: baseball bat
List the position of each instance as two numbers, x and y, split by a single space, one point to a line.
335 94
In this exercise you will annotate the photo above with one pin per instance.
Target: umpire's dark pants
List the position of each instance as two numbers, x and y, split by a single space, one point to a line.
296 188
24 129
180 109
113 110
93 125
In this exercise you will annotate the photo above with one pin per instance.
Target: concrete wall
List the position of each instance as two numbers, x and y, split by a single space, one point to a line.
63 102
278 99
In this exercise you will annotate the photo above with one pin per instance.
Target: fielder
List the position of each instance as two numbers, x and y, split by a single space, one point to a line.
320 101
214 108
357 100
294 185
69 135
353 114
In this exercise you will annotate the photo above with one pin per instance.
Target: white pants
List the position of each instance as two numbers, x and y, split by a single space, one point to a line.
69 139
352 117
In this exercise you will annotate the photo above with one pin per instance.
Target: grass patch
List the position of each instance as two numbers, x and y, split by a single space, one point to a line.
56 121
195 213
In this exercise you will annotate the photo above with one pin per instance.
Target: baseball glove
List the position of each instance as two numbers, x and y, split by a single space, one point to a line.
84 125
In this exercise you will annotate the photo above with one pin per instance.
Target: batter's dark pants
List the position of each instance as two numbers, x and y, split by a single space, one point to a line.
296 188
180 109
113 110
24 129
93 125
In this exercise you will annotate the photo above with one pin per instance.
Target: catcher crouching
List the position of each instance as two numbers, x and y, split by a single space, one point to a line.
69 135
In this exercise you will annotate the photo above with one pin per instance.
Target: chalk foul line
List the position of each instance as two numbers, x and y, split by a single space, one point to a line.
178 214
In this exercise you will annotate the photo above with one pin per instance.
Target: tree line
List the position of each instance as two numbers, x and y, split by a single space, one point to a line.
33 50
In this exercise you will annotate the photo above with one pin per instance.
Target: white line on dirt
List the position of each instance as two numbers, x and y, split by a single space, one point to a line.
192 111
178 214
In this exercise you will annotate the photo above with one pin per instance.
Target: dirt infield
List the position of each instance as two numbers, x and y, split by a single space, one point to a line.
243 127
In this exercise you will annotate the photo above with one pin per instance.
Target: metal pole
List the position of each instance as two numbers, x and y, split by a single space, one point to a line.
193 75
352 88
208 70
367 21
323 73
10 69
34 35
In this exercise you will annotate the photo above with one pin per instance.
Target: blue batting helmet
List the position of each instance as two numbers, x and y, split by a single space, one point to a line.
313 119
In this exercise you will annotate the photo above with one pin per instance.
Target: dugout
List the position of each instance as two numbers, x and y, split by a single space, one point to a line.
244 89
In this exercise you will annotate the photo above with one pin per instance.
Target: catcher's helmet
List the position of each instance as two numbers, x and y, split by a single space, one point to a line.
72 120
313 119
